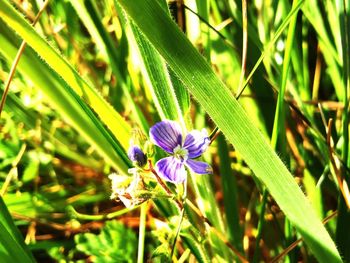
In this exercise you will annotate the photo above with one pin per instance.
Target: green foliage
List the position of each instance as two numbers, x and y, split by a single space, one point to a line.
96 75
233 121
115 243
12 247
71 90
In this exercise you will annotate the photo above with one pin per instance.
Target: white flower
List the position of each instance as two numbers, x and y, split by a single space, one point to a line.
127 188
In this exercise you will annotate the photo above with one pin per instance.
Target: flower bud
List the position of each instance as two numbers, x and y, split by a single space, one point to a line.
149 149
137 156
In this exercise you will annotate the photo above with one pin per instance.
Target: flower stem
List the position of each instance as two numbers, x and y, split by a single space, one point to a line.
142 229
183 198
163 185
177 233
214 134
217 232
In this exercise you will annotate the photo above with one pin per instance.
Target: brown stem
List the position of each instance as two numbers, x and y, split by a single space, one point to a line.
15 62
163 185
295 243
344 189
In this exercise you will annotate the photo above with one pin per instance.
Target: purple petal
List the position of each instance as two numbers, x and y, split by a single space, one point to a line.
136 155
171 169
199 167
196 143
166 134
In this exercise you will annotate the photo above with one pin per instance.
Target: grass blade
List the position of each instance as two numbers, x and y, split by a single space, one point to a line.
120 129
226 112
12 247
343 231
69 104
229 185
156 74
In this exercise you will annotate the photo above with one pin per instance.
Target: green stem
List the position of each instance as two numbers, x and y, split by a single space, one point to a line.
346 62
260 226
80 216
183 199
177 233
142 232
343 230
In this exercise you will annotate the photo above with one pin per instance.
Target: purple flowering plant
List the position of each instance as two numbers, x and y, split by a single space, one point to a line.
182 150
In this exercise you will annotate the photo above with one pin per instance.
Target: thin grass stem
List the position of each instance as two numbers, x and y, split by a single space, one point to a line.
13 170
16 61
260 226
245 46
295 243
142 233
77 215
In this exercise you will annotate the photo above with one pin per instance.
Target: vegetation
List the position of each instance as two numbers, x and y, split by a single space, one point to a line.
252 167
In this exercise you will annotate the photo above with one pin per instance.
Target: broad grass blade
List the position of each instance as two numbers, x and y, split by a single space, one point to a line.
12 247
233 121
112 119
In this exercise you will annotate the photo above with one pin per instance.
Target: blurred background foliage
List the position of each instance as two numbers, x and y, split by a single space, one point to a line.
58 143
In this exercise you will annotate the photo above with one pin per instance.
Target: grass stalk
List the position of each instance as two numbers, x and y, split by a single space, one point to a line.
142 233
17 58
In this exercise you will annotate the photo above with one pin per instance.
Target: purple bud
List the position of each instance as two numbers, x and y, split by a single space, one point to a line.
136 155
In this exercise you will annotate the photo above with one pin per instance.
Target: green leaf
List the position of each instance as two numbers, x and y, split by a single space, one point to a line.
229 186
69 104
115 243
233 121
116 123
196 247
12 246
62 146
106 44
163 81
312 12
156 75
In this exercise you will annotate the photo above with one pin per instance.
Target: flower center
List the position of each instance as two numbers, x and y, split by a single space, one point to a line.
180 153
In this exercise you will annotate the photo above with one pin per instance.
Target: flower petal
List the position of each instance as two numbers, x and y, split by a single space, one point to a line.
171 169
166 134
199 167
196 143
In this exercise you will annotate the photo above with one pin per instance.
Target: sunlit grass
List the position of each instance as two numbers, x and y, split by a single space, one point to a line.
95 76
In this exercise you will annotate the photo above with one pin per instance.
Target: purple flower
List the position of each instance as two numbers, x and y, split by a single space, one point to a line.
137 156
168 136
